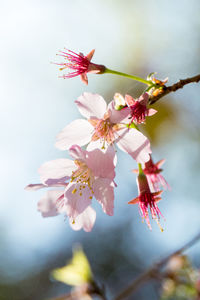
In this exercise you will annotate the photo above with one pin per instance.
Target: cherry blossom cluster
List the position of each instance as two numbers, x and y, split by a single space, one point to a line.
91 142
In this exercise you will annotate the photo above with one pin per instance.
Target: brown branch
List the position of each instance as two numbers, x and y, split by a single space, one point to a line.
173 88
152 271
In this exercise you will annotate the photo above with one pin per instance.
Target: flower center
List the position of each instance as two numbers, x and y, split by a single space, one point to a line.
83 177
138 112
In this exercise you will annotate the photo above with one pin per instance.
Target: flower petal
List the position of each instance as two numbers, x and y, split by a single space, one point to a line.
151 112
102 163
35 187
135 144
48 205
85 220
60 169
76 199
77 152
78 132
91 105
104 193
143 99
84 78
90 54
117 116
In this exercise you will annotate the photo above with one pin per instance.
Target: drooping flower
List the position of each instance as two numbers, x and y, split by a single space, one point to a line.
90 174
155 179
139 109
152 172
104 126
79 64
147 200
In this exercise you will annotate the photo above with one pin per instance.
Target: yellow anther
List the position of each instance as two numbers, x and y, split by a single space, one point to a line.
91 197
73 222
81 194
74 191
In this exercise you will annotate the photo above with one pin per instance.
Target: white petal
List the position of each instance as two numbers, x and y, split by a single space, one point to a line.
119 116
135 144
91 105
48 205
76 202
56 169
78 132
104 193
85 220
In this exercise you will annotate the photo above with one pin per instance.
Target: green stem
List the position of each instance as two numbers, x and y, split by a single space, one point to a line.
129 76
140 169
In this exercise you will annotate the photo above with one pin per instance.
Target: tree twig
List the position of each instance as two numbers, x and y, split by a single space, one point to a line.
151 272
173 88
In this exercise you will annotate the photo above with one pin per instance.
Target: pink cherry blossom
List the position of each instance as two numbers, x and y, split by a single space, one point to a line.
147 200
91 174
155 179
79 64
104 126
152 172
138 107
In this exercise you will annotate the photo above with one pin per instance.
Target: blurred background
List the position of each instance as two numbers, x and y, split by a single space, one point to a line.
132 36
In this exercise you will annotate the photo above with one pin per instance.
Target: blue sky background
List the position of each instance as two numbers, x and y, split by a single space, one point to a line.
130 36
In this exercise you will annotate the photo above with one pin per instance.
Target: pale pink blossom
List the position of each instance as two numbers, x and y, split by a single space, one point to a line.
138 108
104 126
79 64
90 174
147 201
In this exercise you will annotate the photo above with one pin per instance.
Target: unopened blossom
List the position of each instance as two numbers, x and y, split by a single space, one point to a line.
159 85
147 201
104 126
153 173
79 64
138 108
90 174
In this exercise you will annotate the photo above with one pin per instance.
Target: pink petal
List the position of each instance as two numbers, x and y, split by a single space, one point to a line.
78 132
151 112
119 116
102 163
91 105
129 100
48 205
85 220
35 187
74 202
98 145
143 99
160 163
84 78
38 186
90 54
56 169
135 144
104 193
77 152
